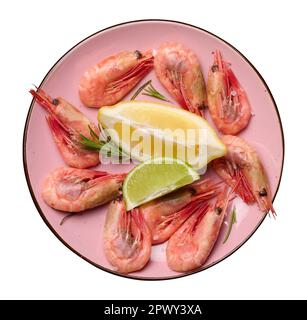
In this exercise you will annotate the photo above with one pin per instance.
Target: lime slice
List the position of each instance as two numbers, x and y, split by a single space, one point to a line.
154 178
147 130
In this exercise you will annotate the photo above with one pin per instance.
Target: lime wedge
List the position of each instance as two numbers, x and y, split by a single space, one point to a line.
155 178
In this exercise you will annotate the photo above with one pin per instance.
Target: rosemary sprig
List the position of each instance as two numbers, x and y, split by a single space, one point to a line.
233 220
90 144
66 218
102 144
140 89
150 91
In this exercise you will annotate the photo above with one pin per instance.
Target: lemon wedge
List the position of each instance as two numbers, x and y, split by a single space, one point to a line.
148 130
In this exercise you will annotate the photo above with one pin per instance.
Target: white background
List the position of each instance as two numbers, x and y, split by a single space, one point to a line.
34 264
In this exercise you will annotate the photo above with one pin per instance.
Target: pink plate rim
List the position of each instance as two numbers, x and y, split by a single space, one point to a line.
26 166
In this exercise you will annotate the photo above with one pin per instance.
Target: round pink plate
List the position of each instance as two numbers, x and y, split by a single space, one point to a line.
82 233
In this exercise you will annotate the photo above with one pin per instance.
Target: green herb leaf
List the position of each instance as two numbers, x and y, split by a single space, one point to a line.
106 147
150 91
66 218
233 220
140 89
90 144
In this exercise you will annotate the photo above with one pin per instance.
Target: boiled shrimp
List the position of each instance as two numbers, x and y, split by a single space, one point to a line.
178 69
112 78
165 215
66 124
242 170
127 241
75 190
190 246
227 101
